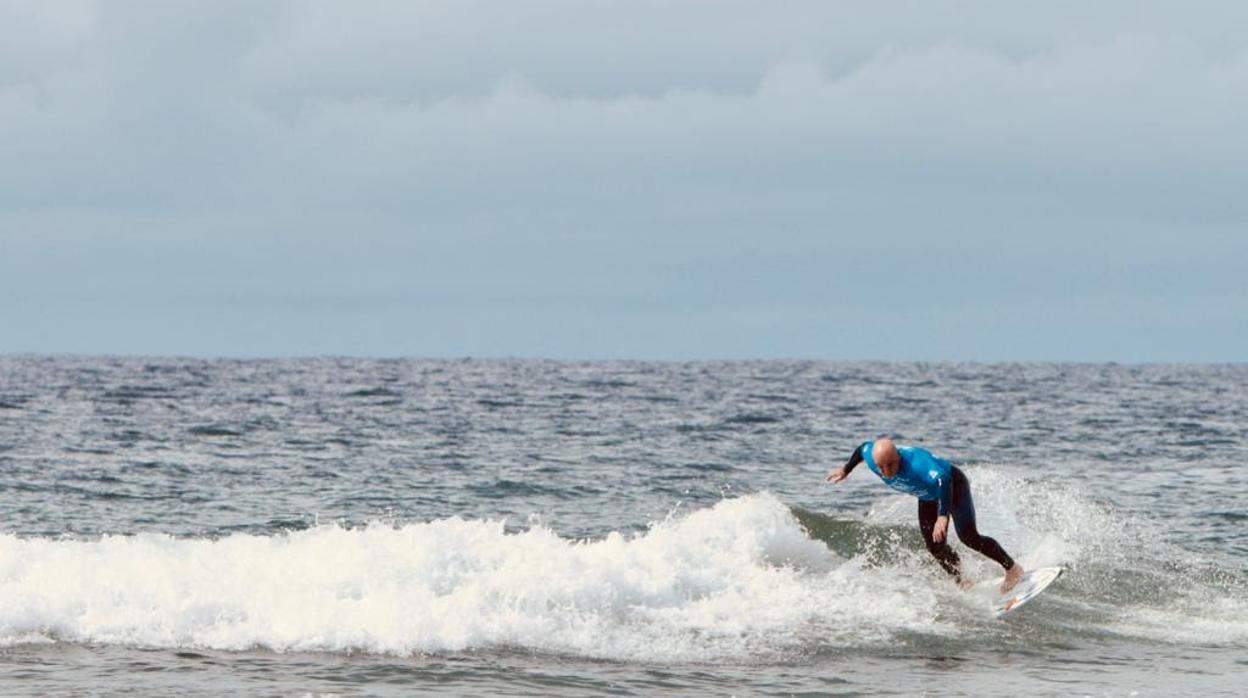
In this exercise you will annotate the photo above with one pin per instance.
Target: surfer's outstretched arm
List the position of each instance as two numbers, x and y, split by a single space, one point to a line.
842 472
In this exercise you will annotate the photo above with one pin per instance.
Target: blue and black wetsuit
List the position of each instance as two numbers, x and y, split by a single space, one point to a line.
942 489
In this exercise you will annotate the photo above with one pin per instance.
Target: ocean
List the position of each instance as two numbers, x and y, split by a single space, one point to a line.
350 527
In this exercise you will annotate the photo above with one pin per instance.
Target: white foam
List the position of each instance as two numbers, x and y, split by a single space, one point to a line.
740 578
1041 526
1217 622
1053 523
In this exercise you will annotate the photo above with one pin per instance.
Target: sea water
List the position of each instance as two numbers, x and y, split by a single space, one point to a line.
404 527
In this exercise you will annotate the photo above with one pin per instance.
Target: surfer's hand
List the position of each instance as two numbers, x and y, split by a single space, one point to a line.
939 530
836 475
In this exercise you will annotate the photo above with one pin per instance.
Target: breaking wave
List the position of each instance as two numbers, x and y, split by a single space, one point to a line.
746 578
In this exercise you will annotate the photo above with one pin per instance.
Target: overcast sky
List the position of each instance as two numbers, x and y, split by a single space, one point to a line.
634 179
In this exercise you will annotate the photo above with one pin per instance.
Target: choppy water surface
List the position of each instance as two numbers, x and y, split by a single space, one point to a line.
357 527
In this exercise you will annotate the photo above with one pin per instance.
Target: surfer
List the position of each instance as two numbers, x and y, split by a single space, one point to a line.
942 490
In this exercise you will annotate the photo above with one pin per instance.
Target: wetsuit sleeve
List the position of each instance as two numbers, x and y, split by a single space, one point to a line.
854 459
945 482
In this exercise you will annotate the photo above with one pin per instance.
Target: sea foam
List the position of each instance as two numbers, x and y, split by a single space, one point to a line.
739 579
736 579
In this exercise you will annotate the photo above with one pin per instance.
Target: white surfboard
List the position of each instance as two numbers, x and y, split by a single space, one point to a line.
1032 583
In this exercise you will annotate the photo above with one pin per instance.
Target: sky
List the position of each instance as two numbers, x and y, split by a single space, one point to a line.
640 179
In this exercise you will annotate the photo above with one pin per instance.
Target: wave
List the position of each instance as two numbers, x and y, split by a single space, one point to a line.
747 578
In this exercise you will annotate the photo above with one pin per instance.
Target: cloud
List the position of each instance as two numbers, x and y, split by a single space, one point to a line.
715 160
149 115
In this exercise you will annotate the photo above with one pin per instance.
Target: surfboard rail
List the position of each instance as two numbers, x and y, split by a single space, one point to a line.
1030 586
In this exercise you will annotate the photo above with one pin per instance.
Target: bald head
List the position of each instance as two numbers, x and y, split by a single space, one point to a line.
884 453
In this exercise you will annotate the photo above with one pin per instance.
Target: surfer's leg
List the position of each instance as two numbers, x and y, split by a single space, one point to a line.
963 510
944 554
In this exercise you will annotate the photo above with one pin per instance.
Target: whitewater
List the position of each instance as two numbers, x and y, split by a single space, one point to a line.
740 580
365 527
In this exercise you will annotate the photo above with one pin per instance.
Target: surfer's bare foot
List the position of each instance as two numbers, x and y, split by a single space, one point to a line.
1012 577
965 584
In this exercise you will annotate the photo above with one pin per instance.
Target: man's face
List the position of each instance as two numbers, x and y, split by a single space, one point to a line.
889 465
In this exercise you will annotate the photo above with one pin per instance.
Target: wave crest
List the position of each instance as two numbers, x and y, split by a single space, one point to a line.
735 579
745 578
